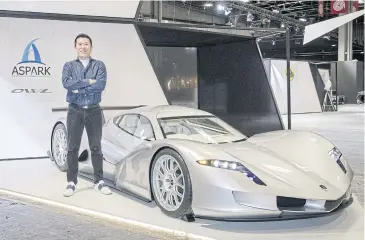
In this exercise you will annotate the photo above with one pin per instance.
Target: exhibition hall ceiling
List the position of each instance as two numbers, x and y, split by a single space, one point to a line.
306 10
270 14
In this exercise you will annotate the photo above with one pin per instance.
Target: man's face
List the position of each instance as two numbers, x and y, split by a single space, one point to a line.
83 48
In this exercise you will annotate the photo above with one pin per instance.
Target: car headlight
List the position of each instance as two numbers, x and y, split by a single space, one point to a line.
336 155
235 166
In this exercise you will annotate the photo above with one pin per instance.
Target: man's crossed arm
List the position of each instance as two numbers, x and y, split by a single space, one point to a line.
83 86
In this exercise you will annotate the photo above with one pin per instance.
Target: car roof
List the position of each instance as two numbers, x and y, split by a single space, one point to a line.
167 111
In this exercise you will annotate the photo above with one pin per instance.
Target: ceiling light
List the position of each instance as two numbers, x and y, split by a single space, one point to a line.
333 45
208 4
220 7
250 17
302 19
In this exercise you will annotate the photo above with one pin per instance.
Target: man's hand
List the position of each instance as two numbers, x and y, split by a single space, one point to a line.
91 81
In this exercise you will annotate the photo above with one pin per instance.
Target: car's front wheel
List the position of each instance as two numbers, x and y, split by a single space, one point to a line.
59 146
171 184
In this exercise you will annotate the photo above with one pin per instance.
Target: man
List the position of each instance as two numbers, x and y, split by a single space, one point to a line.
85 79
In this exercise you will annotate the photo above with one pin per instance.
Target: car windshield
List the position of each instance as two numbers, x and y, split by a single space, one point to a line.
207 129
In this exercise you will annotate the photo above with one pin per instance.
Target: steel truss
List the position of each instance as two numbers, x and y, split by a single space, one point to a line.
288 21
266 13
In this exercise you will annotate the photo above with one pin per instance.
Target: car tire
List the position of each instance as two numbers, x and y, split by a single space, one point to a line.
84 156
184 207
59 147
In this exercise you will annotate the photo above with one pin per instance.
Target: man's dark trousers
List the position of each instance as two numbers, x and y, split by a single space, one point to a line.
79 118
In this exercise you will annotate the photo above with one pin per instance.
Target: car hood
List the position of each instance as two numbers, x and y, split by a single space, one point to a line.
292 164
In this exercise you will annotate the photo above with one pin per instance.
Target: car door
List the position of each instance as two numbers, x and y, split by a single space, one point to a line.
117 141
136 167
113 151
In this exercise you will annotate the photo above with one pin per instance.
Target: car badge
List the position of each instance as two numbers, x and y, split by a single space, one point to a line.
323 187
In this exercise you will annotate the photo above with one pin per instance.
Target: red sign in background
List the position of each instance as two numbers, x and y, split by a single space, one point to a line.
321 8
339 6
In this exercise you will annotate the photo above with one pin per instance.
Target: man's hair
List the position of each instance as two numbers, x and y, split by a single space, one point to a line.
83 35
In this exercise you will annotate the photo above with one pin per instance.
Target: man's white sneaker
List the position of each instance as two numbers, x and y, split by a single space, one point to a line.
104 189
70 189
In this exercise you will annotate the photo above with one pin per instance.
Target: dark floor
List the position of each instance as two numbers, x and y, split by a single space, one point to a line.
21 220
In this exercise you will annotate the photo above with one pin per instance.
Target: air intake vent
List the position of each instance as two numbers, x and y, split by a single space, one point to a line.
287 202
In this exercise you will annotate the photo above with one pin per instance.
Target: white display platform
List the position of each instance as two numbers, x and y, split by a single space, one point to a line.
41 179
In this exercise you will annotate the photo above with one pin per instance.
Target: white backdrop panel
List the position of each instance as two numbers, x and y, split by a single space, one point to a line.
26 116
326 78
122 9
304 98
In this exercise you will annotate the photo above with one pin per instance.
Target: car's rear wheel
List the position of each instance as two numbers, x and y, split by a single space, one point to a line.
171 184
59 146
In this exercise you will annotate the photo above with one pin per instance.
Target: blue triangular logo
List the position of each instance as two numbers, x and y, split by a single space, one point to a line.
37 56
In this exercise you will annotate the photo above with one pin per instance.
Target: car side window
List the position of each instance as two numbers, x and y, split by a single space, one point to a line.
116 119
144 129
129 123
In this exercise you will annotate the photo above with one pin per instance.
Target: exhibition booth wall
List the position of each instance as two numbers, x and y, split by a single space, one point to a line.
234 86
30 90
229 81
348 78
215 72
115 9
319 82
306 85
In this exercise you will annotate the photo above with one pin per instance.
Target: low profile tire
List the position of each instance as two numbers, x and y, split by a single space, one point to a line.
171 184
59 147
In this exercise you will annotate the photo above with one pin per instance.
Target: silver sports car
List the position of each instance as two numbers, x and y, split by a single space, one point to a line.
191 163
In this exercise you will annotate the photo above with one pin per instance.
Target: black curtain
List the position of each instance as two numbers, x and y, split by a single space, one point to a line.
233 85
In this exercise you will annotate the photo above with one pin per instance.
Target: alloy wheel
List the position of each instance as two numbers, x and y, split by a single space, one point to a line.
59 147
168 182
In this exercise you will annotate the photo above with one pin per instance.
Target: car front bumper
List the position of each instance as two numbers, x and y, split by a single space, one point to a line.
228 205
